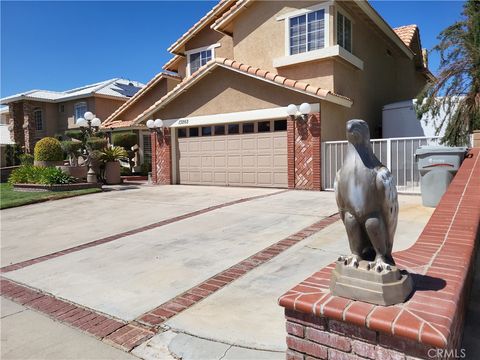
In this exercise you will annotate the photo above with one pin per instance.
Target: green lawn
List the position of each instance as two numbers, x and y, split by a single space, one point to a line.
10 198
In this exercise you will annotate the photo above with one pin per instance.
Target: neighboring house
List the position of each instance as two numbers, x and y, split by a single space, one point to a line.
39 113
244 62
4 134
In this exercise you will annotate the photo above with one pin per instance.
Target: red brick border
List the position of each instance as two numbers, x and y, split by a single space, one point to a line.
129 335
113 331
190 297
441 263
107 239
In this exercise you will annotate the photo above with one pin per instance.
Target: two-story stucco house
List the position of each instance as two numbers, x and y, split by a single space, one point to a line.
241 65
35 114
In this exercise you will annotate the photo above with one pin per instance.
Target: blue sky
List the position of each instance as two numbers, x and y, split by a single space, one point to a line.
62 45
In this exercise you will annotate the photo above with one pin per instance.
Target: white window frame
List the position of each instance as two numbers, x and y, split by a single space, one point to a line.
82 103
197 50
345 15
35 111
286 18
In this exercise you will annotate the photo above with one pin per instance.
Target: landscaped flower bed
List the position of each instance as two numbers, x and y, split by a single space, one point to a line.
55 187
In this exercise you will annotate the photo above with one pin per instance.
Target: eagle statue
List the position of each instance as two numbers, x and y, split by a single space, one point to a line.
367 201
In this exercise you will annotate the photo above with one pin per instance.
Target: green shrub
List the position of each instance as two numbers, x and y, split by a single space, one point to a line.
12 154
51 175
26 159
125 139
124 171
28 174
75 134
145 168
48 149
95 143
71 147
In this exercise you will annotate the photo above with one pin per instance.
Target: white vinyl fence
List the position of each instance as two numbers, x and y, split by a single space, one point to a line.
398 154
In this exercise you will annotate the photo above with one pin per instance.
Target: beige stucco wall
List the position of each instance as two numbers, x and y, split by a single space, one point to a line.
387 76
207 37
225 91
258 38
104 107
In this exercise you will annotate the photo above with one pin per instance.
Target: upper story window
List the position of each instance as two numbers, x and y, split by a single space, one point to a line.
80 110
344 32
196 58
38 118
307 32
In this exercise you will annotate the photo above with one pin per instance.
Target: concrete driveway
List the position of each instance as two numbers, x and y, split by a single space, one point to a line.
163 241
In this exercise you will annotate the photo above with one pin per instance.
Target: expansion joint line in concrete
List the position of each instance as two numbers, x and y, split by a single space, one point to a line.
128 335
107 239
172 307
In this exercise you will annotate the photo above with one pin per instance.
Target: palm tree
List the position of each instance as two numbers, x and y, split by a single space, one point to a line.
456 90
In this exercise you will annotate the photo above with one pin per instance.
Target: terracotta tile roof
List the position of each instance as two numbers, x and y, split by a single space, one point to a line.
120 124
171 62
264 75
216 11
406 33
155 80
239 6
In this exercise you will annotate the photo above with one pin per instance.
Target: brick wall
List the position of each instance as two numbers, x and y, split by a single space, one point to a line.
303 145
161 157
429 325
16 121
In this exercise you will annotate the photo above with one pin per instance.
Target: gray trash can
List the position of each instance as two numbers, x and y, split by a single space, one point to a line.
437 166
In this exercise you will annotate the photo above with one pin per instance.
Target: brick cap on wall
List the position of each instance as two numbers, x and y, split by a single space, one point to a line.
440 262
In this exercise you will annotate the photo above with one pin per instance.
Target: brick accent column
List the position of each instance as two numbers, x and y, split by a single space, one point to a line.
28 127
429 324
16 123
303 144
162 157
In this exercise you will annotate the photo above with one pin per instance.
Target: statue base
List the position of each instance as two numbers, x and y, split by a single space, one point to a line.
384 288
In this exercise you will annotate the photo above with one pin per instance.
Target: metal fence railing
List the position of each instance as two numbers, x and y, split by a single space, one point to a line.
398 154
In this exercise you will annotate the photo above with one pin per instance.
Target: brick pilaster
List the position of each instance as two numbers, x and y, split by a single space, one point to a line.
162 157
28 127
291 151
303 145
16 123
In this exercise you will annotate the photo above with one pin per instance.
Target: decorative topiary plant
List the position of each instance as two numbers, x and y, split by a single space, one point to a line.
48 149
73 150
125 139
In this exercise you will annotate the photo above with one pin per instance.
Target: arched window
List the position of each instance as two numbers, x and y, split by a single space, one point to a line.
80 110
38 118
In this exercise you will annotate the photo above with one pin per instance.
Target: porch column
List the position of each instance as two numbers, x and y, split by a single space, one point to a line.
303 147
161 157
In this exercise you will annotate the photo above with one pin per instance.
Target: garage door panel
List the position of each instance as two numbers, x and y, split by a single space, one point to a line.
249 178
264 143
264 178
249 161
219 145
264 161
256 159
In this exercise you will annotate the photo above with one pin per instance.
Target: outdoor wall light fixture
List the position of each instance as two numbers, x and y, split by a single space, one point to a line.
299 112
89 120
155 125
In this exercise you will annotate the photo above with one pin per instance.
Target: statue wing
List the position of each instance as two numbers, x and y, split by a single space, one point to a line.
337 194
386 185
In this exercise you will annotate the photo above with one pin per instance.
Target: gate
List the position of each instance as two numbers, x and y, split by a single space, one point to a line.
398 154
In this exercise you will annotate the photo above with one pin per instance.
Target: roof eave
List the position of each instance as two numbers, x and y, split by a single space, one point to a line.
176 47
382 24
329 96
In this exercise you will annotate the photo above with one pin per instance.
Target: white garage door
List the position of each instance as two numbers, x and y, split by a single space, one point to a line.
247 154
